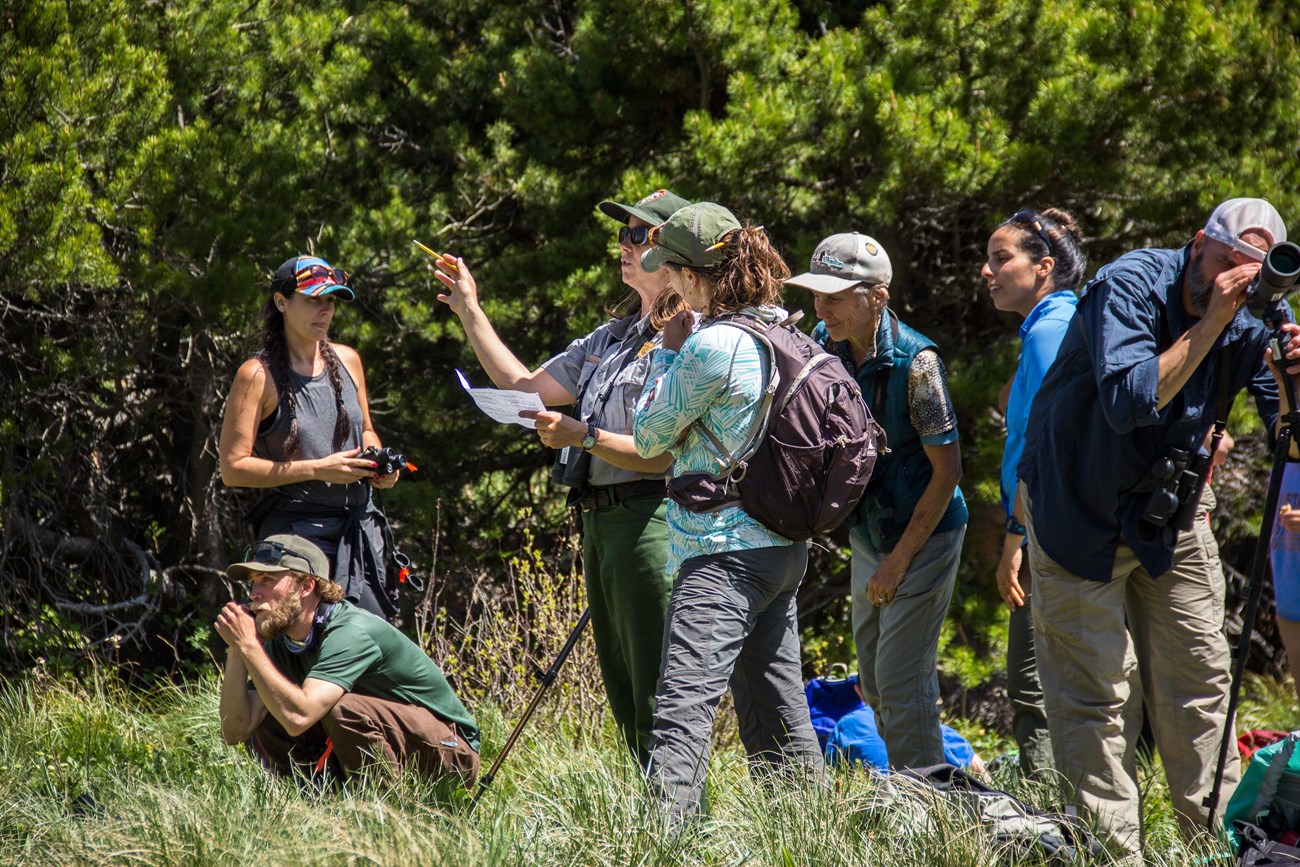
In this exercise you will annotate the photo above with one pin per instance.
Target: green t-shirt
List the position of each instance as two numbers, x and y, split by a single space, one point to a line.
369 656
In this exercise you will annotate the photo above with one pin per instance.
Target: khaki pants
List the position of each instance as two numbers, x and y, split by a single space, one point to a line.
364 731
1163 636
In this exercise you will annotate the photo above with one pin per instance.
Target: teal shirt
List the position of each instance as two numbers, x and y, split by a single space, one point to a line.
368 656
718 377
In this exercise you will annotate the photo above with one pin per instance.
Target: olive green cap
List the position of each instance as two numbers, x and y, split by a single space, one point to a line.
694 236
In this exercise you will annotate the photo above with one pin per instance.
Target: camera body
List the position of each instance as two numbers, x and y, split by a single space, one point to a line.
388 460
1276 279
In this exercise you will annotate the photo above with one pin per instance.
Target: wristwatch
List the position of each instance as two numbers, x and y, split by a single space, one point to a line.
1014 526
589 441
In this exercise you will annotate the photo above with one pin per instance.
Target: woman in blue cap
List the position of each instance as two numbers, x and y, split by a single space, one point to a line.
296 419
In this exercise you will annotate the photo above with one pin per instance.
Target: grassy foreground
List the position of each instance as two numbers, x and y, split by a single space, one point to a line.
95 774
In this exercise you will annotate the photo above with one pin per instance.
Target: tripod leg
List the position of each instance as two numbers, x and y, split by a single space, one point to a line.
547 678
1256 590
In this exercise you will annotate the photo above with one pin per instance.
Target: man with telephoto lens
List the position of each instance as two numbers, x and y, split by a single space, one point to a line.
317 687
1159 342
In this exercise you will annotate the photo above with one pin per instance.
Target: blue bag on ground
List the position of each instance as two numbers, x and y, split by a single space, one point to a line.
846 727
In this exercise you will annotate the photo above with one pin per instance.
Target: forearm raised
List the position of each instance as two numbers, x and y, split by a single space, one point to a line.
236 707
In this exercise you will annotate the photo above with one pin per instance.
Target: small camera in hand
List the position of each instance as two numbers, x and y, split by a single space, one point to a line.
387 460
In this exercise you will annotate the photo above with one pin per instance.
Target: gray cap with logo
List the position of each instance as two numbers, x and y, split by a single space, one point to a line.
843 261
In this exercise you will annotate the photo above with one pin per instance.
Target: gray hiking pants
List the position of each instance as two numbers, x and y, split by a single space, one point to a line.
732 621
898 645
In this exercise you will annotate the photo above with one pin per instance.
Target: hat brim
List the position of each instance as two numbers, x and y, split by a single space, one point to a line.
344 292
658 256
240 571
823 284
625 213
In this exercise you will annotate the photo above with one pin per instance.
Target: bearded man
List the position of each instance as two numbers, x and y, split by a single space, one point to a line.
314 685
1123 602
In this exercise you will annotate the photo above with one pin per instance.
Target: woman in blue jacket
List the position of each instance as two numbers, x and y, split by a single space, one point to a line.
1034 266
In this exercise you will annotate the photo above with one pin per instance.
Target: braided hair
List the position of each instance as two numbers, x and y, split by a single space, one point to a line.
275 355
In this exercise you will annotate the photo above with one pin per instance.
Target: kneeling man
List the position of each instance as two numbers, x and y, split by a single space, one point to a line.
312 681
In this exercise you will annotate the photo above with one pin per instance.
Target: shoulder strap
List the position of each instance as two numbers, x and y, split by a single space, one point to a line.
728 462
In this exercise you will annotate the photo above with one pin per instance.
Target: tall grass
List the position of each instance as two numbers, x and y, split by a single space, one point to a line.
93 773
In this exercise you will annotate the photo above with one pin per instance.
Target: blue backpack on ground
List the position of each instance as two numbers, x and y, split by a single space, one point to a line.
846 727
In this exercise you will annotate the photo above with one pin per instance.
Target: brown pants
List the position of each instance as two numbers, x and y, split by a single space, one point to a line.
365 731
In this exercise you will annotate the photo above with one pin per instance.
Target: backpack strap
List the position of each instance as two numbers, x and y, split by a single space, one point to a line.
729 463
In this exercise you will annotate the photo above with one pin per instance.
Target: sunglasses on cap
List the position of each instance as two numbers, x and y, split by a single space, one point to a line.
1031 219
273 553
317 274
636 235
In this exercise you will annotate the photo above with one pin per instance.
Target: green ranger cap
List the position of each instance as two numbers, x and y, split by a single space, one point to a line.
695 236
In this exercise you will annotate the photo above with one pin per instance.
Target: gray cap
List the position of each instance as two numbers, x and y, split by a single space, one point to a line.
652 210
1233 218
280 553
843 261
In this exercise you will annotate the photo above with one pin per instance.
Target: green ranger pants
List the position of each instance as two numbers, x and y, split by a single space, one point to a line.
624 548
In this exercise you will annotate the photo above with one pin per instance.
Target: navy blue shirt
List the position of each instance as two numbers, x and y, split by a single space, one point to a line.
1094 431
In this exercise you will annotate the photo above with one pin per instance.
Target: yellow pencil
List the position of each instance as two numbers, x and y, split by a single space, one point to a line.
446 260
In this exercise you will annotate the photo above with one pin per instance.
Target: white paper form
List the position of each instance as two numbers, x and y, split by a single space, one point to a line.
503 406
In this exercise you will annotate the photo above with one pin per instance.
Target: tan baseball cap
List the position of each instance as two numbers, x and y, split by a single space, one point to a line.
279 554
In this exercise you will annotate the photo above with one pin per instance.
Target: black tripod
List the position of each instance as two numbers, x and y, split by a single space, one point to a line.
1289 420
547 678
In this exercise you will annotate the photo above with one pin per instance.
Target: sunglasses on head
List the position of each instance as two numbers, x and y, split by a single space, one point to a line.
312 275
272 553
1031 219
636 235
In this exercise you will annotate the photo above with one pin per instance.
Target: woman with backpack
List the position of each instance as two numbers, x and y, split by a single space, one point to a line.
1034 266
912 519
620 495
295 422
733 618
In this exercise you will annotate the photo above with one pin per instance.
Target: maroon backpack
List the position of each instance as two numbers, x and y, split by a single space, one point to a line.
811 451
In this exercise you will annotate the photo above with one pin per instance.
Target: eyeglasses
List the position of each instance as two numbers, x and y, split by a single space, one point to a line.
319 274
1032 220
272 554
637 235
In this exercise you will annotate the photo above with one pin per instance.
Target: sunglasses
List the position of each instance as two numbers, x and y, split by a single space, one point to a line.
637 235
272 554
1031 219
313 275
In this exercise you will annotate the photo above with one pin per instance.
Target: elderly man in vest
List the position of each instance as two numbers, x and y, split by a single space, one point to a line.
315 684
907 542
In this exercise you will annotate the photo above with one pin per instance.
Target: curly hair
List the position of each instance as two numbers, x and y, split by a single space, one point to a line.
751 273
327 590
